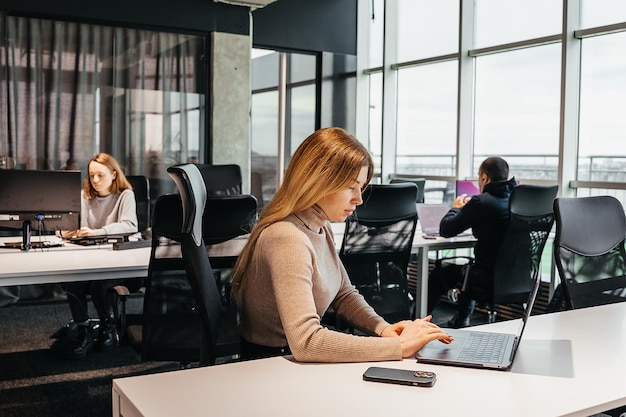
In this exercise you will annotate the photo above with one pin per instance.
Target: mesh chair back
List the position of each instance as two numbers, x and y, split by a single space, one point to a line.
589 250
518 263
377 245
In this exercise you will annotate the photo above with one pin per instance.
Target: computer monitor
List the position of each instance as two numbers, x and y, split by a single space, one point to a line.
49 200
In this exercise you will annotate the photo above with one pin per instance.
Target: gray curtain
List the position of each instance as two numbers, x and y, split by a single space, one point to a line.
70 90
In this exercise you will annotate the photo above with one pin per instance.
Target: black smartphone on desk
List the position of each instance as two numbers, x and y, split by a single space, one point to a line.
400 376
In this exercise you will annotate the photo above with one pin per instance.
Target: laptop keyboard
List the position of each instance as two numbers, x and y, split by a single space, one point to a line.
484 347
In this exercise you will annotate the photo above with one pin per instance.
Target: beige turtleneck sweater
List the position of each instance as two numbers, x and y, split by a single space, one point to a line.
295 275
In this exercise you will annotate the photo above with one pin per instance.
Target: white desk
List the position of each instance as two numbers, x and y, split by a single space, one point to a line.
85 263
70 263
569 364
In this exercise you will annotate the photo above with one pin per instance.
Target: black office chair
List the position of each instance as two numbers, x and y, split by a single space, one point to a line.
589 251
221 179
141 188
169 328
419 182
377 245
193 195
227 221
518 262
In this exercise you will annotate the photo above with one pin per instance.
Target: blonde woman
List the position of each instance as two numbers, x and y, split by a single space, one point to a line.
289 274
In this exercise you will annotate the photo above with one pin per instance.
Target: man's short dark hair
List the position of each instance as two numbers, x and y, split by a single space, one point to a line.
496 168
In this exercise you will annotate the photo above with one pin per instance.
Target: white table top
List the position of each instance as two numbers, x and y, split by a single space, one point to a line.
70 263
569 364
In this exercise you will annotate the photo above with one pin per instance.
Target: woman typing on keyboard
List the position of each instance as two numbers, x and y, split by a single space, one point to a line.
107 207
289 274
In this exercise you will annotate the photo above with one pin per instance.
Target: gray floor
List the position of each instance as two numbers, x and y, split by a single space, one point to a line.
35 382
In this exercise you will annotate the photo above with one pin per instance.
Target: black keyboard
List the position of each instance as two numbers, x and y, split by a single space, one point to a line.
132 244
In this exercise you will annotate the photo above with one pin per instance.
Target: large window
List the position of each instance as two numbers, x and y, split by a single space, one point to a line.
602 144
427 119
516 112
299 112
427 28
499 22
535 82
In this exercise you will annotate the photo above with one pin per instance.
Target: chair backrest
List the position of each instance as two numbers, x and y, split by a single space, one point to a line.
377 243
221 179
589 250
141 188
518 263
420 182
171 325
193 195
227 218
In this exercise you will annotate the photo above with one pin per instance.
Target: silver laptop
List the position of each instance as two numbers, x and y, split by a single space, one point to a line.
478 349
429 217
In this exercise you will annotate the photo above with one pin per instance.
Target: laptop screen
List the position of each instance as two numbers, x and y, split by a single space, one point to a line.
529 307
429 217
469 188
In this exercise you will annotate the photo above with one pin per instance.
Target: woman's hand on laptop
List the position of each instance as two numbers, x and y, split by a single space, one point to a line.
68 234
82 232
417 333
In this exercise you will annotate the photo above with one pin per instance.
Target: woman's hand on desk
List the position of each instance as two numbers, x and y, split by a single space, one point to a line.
82 232
414 335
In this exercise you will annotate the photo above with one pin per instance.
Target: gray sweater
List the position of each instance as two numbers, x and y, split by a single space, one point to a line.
113 214
295 275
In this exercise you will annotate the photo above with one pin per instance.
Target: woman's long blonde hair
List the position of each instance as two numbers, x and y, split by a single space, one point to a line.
327 161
